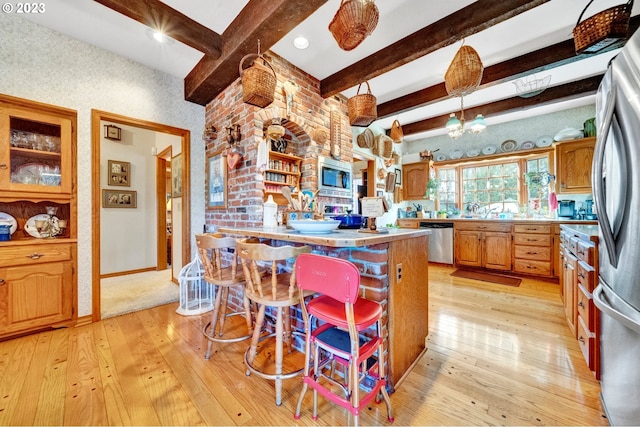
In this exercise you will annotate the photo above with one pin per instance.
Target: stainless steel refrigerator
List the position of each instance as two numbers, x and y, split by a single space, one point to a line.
616 186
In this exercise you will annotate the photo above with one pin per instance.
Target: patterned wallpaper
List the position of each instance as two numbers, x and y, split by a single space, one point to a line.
43 65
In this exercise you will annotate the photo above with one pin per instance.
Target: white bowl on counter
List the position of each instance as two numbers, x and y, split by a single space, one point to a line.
310 226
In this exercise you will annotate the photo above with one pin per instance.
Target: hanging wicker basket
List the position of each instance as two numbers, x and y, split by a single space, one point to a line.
464 73
366 139
258 81
362 108
383 146
396 132
602 29
353 22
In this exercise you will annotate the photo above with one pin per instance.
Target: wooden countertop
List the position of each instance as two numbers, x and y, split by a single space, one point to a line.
338 238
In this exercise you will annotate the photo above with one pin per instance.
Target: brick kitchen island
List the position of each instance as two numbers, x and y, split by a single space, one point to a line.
394 272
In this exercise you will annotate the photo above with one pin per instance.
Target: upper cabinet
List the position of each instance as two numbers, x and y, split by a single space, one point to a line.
36 155
414 180
573 165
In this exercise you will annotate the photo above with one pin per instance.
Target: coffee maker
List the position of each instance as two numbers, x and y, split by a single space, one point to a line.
566 208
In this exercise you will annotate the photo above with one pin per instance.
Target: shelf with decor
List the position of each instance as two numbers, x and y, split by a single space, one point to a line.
283 170
38 258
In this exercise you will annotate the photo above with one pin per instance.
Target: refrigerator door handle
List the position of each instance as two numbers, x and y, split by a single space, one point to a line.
600 301
597 176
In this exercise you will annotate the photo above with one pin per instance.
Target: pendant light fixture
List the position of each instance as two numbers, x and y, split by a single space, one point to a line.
456 127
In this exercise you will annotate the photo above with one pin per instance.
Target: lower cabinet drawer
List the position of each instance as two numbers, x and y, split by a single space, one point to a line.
526 266
587 343
532 239
586 308
533 252
36 254
586 276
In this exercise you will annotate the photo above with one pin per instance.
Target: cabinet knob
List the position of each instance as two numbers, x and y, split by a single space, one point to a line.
35 256
580 304
2 282
581 339
3 166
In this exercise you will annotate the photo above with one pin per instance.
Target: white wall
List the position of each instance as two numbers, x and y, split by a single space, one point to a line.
128 236
42 65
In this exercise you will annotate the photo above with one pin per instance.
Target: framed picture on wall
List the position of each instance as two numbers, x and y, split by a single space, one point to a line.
216 181
119 173
119 199
398 176
176 176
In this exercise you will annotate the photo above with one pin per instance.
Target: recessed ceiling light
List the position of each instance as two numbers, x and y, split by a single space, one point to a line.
159 36
301 42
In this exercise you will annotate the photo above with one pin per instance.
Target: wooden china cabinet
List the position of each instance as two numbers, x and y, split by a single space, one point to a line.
38 284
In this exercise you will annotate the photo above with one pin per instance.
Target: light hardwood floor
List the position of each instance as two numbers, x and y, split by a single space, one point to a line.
497 355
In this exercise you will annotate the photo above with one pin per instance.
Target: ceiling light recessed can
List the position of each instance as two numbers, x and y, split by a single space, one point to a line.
301 42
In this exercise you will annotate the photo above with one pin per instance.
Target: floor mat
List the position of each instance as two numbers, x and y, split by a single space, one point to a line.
487 277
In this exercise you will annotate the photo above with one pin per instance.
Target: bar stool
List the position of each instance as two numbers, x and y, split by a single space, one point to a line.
277 290
340 337
222 275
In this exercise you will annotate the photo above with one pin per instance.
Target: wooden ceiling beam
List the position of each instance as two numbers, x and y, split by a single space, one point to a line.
267 20
465 22
157 15
551 95
537 61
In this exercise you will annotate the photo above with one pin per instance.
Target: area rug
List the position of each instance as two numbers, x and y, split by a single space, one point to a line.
134 292
487 277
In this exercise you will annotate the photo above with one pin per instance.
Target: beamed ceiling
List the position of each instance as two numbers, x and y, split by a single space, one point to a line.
433 34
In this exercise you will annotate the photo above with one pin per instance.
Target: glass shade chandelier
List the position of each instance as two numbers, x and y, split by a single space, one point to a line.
456 127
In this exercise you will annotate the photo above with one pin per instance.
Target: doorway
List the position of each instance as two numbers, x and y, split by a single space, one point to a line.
157 186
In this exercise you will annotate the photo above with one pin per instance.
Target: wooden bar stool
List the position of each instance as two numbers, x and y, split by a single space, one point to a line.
222 275
339 338
277 290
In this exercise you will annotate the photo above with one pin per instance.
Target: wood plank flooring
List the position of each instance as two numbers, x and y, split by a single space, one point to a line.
497 355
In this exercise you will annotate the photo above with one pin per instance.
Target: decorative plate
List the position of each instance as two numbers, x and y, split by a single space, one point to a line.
30 226
568 134
489 149
455 154
5 218
441 157
527 145
544 141
473 153
508 145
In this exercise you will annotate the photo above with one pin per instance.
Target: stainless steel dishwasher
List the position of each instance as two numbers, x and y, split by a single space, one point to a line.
440 241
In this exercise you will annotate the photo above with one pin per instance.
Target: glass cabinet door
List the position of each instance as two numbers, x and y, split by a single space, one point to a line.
38 157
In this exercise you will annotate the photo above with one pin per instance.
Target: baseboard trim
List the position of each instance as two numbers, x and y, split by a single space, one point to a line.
124 273
84 320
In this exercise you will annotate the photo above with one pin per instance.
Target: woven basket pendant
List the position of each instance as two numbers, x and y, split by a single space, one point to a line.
464 73
353 22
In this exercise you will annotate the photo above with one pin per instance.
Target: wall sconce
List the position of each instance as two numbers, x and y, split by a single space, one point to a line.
233 134
112 132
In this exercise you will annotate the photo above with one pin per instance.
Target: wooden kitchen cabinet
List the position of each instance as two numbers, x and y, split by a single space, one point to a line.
38 284
36 293
532 249
573 165
580 263
483 244
414 180
283 170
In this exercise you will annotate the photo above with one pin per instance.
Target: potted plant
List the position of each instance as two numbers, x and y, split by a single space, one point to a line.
433 185
454 213
442 214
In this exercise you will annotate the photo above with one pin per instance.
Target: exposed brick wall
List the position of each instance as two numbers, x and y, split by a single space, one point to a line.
307 132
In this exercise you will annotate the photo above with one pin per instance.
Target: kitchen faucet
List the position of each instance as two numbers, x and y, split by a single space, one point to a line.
486 214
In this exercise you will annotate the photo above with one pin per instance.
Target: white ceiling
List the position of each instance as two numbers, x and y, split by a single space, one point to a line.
541 26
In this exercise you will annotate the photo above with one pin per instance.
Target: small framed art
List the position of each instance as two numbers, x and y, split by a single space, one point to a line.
119 199
119 173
